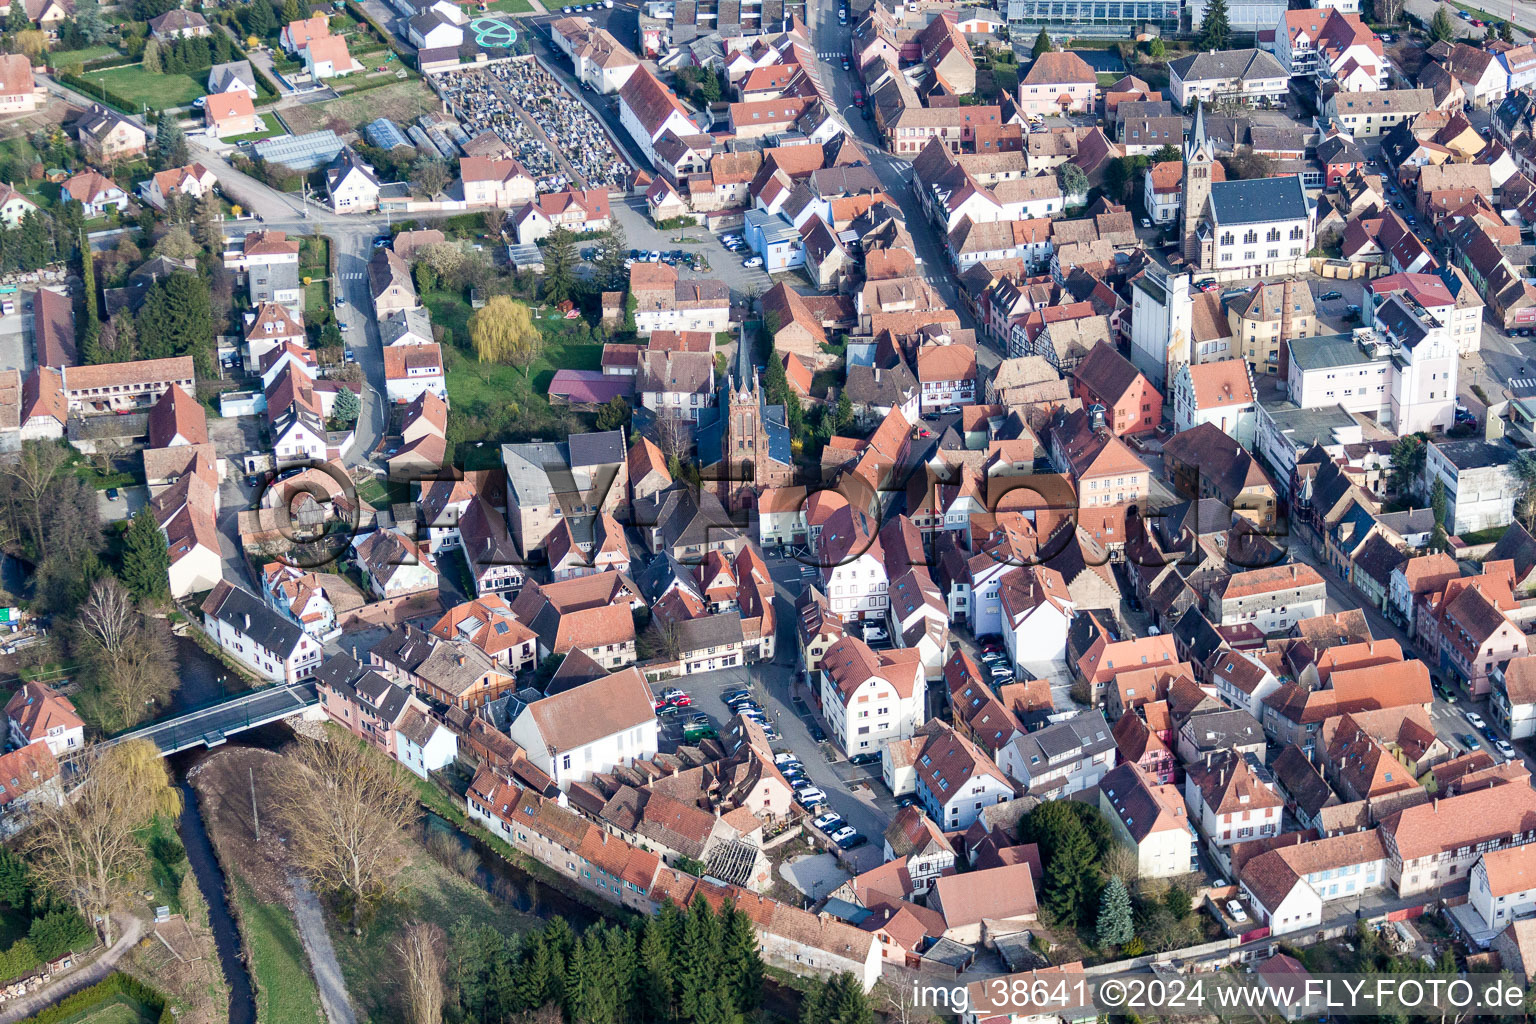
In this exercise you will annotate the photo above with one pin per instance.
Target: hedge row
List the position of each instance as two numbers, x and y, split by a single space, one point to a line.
115 984
98 91
102 63
264 85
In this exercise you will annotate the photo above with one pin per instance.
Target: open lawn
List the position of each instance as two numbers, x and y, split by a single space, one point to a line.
116 1013
142 87
513 7
402 102
284 989
492 402
65 58
272 130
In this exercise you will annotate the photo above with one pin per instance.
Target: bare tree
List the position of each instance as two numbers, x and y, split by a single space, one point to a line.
344 807
85 848
1121 861
420 950
133 657
672 436
30 475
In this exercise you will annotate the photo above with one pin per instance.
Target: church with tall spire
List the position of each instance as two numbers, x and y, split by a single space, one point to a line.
1237 230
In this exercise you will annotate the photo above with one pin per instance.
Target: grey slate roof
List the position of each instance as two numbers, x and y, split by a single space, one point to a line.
599 448
1257 200
247 614
1246 65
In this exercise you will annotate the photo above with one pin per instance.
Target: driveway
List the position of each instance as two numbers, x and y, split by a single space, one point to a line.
129 500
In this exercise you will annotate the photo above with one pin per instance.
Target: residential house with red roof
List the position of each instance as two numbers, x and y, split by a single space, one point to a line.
1437 843
410 370
95 193
1290 886
947 373
984 904
193 181
1502 886
1131 405
29 777
597 727
1107 473
18 90
231 113
1219 393
1138 745
580 212
955 779
870 697
1230 802
37 714
488 623
500 183
1149 816
1274 598
1058 82
648 110
1330 45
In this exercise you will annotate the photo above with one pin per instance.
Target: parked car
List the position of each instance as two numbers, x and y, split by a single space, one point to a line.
111 493
810 797
843 833
731 695
1236 910
699 719
906 801
1475 720
876 635
1506 748
1330 296
853 842
1207 284
830 820
863 759
1470 741
752 261
666 711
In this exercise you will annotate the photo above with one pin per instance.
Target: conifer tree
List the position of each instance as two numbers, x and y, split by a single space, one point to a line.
146 560
1115 925
1216 29
742 966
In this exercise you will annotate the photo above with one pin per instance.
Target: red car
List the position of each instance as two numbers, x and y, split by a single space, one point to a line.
684 701
924 433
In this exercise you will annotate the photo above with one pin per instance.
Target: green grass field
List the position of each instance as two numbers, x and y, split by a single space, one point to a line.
116 1013
148 88
285 992
492 402
513 7
64 58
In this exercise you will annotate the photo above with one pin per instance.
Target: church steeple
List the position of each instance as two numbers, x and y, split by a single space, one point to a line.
1197 185
1197 141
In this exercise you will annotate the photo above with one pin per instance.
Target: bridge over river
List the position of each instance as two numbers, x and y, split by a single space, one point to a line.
210 725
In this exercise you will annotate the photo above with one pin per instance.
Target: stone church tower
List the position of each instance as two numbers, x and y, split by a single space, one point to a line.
746 444
1197 190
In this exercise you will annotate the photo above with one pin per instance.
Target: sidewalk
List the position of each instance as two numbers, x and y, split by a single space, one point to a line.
84 978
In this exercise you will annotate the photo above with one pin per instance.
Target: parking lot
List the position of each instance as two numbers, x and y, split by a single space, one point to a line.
855 792
724 265
15 352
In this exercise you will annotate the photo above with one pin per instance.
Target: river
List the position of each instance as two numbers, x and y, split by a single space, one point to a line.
202 680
